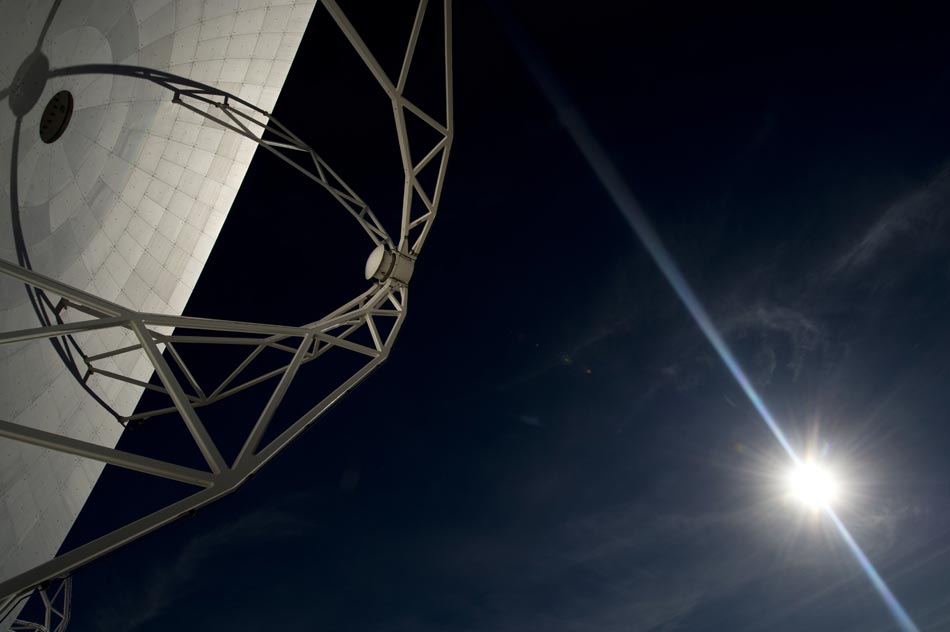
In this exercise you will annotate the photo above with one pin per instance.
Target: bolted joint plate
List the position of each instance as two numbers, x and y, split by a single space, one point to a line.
384 264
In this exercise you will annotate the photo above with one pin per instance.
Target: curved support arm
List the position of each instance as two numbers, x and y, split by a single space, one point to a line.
366 326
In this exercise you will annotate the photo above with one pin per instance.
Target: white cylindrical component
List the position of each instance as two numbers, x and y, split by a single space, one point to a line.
384 264
378 263
402 269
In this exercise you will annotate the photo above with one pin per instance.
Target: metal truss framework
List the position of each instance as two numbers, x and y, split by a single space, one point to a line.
56 603
366 326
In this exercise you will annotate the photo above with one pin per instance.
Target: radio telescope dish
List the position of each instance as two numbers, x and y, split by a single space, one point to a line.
127 132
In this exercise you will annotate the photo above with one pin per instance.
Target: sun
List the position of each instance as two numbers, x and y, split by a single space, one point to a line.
813 485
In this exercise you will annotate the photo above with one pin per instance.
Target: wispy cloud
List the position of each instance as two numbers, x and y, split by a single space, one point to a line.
767 336
778 325
171 581
914 222
638 592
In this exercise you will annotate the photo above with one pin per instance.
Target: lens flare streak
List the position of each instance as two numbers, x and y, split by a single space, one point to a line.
897 610
625 201
616 187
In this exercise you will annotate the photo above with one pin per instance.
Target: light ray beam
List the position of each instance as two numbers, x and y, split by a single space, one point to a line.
616 187
621 195
897 610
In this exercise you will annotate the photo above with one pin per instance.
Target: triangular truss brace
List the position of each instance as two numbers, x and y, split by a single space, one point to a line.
365 327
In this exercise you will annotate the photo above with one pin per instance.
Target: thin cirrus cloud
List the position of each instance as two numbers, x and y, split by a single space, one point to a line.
175 579
913 224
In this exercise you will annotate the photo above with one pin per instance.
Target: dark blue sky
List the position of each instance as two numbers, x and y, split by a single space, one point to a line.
553 445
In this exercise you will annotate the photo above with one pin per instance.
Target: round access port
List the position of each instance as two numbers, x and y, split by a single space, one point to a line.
56 116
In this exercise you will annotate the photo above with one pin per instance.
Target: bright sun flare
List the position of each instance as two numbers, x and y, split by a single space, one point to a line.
813 485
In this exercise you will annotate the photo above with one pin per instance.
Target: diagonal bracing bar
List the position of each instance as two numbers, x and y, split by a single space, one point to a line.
366 326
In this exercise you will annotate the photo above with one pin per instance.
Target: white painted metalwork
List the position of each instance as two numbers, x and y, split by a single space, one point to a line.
366 326
126 205
56 598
